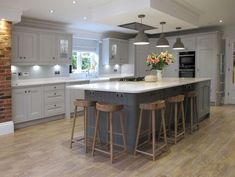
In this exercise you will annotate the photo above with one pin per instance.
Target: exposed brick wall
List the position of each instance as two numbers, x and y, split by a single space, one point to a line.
5 71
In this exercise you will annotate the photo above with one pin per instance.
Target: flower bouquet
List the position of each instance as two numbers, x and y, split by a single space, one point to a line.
158 62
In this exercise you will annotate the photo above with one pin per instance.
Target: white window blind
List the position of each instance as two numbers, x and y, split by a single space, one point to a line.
85 45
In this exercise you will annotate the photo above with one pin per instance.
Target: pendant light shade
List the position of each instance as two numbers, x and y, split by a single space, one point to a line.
141 38
162 42
178 45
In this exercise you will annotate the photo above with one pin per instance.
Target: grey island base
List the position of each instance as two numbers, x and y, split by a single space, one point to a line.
131 94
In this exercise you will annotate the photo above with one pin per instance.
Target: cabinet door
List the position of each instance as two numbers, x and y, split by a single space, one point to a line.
189 43
28 48
47 48
203 98
34 103
114 55
64 48
24 47
123 52
19 105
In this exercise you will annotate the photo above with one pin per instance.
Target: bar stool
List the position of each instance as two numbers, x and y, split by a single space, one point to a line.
85 104
109 109
153 107
191 102
174 102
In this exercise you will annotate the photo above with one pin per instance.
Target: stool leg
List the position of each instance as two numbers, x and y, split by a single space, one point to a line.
138 131
85 127
191 115
74 121
153 134
196 112
95 134
111 136
123 131
163 125
183 118
176 123
149 133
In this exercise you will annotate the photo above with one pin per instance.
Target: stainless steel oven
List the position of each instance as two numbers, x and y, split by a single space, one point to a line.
187 64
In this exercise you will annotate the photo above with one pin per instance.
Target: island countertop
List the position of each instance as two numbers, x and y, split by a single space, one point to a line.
137 86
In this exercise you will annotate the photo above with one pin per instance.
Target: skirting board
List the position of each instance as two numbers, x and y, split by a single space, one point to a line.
6 128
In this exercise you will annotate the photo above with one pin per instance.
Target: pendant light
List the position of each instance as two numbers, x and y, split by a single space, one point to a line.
162 42
178 45
141 38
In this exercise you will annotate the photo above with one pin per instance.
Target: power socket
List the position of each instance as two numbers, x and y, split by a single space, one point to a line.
57 72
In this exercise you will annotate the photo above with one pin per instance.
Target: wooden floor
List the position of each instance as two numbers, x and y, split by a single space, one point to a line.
43 151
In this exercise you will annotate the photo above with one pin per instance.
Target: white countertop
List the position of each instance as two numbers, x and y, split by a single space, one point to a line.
45 81
138 86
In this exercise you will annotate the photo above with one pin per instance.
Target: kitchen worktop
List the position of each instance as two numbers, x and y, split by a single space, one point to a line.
44 81
137 86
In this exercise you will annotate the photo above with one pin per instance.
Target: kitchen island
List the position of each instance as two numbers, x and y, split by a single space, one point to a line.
131 94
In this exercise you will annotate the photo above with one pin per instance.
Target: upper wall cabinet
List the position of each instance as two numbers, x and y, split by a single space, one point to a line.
41 47
24 47
114 51
189 42
55 48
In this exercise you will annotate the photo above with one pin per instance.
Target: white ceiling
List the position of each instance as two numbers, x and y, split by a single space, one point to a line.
105 15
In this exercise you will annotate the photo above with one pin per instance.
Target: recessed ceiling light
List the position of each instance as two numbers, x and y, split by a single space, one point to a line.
74 2
84 18
221 21
51 11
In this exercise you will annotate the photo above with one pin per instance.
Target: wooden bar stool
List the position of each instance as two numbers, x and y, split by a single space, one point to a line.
109 109
85 104
153 107
191 104
177 107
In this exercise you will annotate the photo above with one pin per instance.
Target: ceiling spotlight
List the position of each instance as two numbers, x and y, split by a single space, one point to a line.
141 38
162 42
178 45
74 2
51 11
3 19
84 18
221 21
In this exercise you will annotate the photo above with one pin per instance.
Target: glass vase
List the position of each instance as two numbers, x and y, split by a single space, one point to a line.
159 74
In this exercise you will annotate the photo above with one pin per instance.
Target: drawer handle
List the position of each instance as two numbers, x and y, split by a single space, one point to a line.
54 93
55 105
55 87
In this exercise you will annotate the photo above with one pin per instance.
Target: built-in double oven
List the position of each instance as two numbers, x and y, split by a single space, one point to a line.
187 64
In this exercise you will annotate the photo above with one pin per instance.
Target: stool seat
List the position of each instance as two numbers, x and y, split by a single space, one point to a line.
83 103
176 99
152 108
191 94
106 107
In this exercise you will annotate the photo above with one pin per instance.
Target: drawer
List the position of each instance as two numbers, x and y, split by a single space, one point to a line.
54 87
54 109
54 96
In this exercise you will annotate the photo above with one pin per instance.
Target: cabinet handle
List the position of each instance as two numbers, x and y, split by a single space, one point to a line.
29 91
54 93
53 57
20 57
25 91
55 105
24 57
55 87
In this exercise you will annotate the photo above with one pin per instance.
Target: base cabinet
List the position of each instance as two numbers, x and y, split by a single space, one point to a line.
27 104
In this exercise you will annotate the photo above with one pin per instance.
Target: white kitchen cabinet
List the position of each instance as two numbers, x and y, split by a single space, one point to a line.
114 51
54 99
24 47
64 48
189 42
47 48
27 104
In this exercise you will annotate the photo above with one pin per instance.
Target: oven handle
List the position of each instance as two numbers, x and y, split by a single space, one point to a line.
187 55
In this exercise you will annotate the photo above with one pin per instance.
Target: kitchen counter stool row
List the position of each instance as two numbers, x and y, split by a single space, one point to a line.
171 131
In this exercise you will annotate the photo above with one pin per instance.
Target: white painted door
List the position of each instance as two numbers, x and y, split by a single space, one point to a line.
28 49
230 80
34 98
19 105
47 48
15 47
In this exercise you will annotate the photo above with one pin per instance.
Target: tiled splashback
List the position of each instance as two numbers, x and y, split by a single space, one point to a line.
36 71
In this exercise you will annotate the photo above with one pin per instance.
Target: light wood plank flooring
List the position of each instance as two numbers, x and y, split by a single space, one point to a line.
43 151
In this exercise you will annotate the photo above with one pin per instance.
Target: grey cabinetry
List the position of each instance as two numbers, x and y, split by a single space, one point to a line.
24 47
114 51
47 48
203 89
27 104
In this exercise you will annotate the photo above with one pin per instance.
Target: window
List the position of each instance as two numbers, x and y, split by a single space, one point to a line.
84 61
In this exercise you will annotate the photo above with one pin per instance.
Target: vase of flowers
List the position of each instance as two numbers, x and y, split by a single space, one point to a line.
159 61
